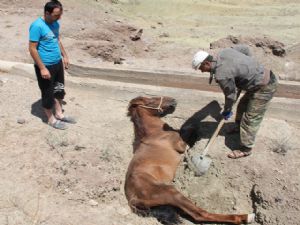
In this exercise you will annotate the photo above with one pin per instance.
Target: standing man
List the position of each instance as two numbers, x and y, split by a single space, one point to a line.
234 69
50 59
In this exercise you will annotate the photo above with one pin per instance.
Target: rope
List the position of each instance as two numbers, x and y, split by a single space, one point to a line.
158 108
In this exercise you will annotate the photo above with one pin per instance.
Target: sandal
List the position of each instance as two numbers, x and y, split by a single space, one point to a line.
67 119
236 154
58 124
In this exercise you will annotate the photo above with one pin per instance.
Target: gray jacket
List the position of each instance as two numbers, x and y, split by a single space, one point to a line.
234 68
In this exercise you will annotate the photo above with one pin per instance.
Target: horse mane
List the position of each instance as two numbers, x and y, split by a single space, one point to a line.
139 129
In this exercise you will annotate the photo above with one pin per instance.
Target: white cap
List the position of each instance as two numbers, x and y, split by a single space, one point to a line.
199 57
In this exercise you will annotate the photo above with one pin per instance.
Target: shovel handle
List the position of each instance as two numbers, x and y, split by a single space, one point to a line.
211 140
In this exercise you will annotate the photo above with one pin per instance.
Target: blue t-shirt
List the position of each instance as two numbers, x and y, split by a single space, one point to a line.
47 37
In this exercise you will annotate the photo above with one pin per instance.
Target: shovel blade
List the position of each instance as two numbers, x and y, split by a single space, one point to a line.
201 164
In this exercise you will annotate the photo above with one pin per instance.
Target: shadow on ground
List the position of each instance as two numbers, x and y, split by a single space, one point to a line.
37 110
194 128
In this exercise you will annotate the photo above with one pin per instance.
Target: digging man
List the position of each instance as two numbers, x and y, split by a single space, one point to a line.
234 69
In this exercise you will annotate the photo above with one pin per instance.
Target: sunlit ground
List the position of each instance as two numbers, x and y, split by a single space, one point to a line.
193 22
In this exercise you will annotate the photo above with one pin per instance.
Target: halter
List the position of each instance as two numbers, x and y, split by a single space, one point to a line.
158 108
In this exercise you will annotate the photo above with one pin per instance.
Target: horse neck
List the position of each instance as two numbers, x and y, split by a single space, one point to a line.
145 124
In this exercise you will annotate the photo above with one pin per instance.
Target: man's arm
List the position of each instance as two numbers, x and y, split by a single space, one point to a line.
36 57
64 54
229 90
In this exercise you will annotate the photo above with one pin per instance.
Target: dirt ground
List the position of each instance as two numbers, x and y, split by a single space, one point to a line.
76 176
97 33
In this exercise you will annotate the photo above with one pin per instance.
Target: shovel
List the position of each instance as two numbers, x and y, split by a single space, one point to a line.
200 163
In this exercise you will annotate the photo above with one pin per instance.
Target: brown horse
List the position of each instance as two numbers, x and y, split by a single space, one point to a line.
157 153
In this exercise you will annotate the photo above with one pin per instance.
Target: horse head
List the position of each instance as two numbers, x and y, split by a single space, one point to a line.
155 106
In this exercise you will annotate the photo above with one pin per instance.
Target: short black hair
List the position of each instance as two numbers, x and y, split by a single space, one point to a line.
51 5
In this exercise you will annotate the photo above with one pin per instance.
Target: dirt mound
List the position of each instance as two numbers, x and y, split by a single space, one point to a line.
293 53
285 62
268 45
116 41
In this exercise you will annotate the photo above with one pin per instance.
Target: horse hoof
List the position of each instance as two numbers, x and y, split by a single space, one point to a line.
251 218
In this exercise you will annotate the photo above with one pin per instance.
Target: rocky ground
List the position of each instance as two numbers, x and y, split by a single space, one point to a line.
76 176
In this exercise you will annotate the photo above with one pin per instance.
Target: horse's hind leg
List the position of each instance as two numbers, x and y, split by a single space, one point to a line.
168 195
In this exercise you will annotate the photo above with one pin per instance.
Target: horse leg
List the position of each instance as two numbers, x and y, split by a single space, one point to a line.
168 195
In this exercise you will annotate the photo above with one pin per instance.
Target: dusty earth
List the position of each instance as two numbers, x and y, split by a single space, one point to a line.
97 33
76 177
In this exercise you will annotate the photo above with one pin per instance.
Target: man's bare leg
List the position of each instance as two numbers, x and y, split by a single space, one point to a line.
59 114
51 118
58 108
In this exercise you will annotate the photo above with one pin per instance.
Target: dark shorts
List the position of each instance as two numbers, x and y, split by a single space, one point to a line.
52 88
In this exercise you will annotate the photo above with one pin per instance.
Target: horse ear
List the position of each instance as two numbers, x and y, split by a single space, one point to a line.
131 107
